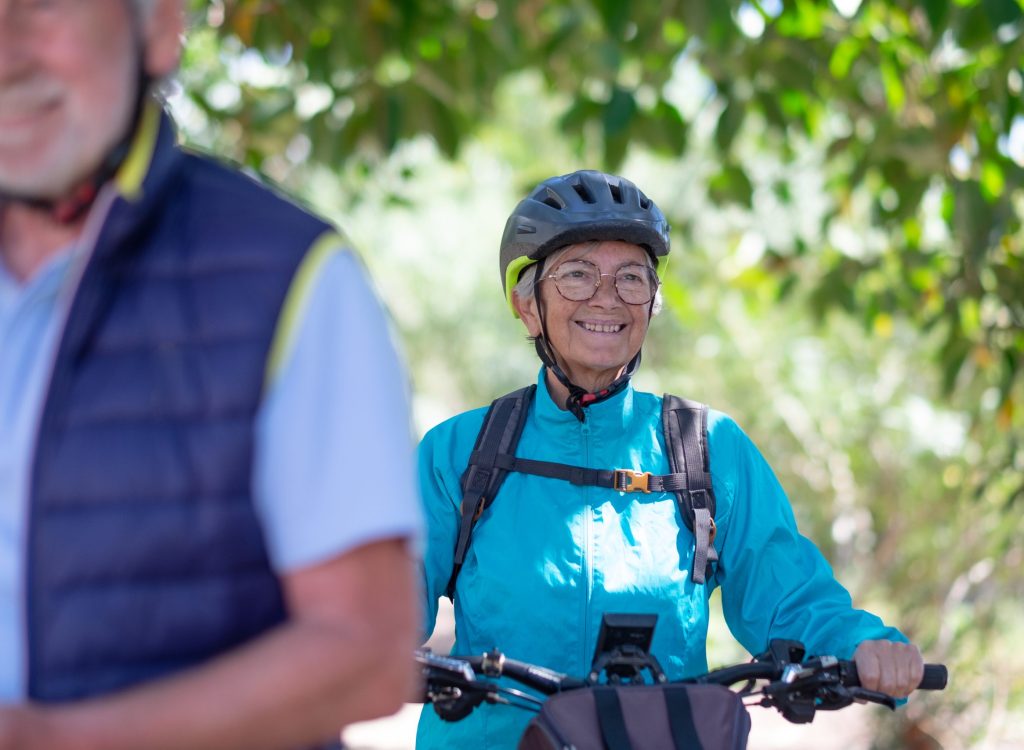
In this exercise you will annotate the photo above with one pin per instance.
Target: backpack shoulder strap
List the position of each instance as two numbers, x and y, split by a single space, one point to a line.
498 437
685 425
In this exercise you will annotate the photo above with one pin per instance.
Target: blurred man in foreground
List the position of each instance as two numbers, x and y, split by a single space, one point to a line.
195 382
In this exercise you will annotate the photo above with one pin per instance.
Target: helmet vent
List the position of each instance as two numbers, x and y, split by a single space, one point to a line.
615 191
645 202
584 193
553 199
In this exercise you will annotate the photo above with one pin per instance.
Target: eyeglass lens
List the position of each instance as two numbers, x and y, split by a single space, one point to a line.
578 280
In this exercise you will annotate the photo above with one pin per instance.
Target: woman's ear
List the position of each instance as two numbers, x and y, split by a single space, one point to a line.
526 307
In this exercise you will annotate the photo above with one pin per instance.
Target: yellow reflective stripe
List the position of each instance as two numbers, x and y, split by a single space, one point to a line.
293 312
512 272
136 164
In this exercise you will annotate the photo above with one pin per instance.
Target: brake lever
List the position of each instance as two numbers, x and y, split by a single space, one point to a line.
835 697
873 696
454 702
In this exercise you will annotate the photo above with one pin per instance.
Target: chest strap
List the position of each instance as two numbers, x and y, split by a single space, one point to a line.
622 480
684 425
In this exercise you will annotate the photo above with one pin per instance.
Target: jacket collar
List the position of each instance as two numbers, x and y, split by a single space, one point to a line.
141 183
613 413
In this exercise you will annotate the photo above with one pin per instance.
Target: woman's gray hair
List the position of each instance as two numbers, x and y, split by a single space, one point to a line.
526 284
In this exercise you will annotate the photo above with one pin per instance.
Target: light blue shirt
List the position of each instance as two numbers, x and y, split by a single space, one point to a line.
336 412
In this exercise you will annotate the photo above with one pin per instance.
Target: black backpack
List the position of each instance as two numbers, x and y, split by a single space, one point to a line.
685 426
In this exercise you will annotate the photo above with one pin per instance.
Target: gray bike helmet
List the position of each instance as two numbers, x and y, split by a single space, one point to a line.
579 207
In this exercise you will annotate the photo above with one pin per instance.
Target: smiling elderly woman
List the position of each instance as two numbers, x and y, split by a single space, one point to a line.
566 539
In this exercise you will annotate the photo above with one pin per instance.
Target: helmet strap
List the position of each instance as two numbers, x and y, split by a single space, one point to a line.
574 402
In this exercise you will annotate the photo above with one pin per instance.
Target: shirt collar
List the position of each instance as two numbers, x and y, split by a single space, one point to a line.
47 281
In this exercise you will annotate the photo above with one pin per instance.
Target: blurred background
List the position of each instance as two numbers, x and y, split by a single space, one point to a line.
845 183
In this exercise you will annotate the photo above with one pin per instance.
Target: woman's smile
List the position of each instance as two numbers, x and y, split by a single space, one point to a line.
601 327
592 339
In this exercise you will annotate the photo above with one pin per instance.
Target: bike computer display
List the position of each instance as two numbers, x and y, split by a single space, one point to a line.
619 630
623 649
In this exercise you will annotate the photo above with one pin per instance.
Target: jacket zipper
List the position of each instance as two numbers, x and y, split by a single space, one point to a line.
587 543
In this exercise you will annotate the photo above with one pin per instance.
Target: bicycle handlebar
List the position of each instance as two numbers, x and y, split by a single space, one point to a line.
797 687
456 670
541 679
935 675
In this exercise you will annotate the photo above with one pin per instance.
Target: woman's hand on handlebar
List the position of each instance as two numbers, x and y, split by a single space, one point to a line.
889 667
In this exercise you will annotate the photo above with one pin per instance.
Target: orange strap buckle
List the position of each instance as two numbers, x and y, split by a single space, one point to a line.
627 480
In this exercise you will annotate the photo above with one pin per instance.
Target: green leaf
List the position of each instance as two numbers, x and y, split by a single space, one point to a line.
731 185
663 129
937 12
793 103
843 56
582 111
970 317
974 29
992 180
614 14
895 94
430 48
806 20
615 150
673 31
953 356
729 124
1002 12
619 111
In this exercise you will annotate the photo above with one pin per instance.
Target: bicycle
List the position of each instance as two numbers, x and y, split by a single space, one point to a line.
598 715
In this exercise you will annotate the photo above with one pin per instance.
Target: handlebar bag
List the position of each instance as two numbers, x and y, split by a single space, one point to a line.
640 717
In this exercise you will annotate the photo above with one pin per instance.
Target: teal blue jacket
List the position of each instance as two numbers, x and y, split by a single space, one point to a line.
548 558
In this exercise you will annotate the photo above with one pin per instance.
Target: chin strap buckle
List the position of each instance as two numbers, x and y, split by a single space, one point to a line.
627 480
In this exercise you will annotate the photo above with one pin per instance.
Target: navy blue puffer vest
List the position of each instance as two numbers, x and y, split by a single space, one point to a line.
145 555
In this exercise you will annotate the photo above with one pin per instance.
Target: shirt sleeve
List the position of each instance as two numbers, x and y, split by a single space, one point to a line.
334 452
775 582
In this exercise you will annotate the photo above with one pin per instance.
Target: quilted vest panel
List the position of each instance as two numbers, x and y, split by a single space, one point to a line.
145 555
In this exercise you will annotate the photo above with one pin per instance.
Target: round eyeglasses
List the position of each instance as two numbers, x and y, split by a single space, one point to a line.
578 280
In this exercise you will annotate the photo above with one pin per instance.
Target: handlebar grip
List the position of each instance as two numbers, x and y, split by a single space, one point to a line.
935 676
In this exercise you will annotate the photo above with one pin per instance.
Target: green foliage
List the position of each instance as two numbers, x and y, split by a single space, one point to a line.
909 100
845 181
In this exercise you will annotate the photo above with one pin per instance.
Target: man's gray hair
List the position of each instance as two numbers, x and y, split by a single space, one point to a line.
525 286
145 7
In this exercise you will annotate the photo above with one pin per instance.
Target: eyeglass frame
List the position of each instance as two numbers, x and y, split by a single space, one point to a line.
649 269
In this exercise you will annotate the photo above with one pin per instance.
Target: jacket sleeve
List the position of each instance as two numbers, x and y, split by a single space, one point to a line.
443 456
775 582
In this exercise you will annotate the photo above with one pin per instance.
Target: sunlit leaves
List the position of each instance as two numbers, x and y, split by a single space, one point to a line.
911 107
895 293
843 56
991 179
